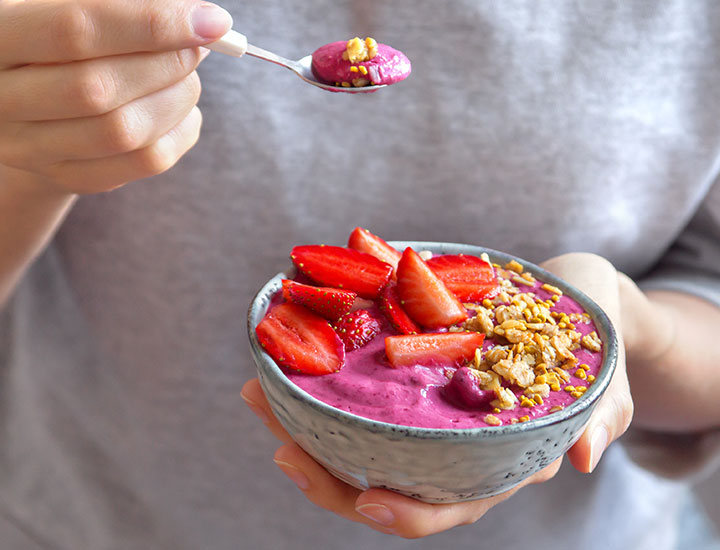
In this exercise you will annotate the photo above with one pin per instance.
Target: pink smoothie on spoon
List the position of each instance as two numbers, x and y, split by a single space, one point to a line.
358 63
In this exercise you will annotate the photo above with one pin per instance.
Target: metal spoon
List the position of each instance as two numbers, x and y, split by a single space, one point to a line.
236 44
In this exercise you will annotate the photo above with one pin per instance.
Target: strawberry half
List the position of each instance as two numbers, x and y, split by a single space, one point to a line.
391 307
468 277
442 349
357 328
344 268
331 303
424 296
364 241
297 338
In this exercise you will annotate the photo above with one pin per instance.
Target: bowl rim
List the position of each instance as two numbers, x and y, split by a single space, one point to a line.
266 365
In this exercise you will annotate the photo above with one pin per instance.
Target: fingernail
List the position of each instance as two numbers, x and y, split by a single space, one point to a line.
254 407
598 443
210 20
377 513
294 474
204 52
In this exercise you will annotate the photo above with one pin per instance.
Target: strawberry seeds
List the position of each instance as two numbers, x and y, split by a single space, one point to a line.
405 289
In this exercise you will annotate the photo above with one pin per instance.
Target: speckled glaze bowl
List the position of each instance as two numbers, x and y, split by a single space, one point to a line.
432 465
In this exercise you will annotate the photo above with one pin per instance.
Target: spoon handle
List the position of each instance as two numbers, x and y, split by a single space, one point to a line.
272 57
236 44
232 43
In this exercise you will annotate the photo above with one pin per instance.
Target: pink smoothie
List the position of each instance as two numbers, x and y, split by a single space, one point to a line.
387 67
417 396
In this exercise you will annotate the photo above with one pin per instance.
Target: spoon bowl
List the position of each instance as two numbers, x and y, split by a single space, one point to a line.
236 45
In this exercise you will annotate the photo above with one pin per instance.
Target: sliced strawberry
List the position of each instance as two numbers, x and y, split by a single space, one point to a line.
331 303
424 296
357 328
364 241
297 338
344 268
439 349
390 306
468 277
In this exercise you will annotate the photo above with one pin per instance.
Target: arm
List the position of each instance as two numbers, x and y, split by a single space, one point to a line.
673 349
30 212
673 343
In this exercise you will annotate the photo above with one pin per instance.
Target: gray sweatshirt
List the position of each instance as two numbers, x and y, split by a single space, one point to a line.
533 127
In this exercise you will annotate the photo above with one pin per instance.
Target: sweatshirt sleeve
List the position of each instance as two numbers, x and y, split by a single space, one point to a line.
691 265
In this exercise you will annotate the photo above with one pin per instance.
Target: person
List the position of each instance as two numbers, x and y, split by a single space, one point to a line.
130 248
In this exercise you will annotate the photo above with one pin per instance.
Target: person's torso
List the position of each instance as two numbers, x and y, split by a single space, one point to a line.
531 128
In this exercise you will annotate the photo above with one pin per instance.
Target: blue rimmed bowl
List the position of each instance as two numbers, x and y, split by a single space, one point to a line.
432 465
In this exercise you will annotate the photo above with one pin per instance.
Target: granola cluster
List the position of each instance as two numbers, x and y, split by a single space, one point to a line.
357 51
534 346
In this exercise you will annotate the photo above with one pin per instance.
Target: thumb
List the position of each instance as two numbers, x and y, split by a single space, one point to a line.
598 278
73 30
610 420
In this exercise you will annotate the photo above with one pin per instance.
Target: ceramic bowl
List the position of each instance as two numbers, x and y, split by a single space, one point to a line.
432 465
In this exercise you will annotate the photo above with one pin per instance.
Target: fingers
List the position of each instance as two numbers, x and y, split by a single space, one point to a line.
383 510
98 175
79 104
320 487
133 126
41 31
90 88
255 399
411 518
